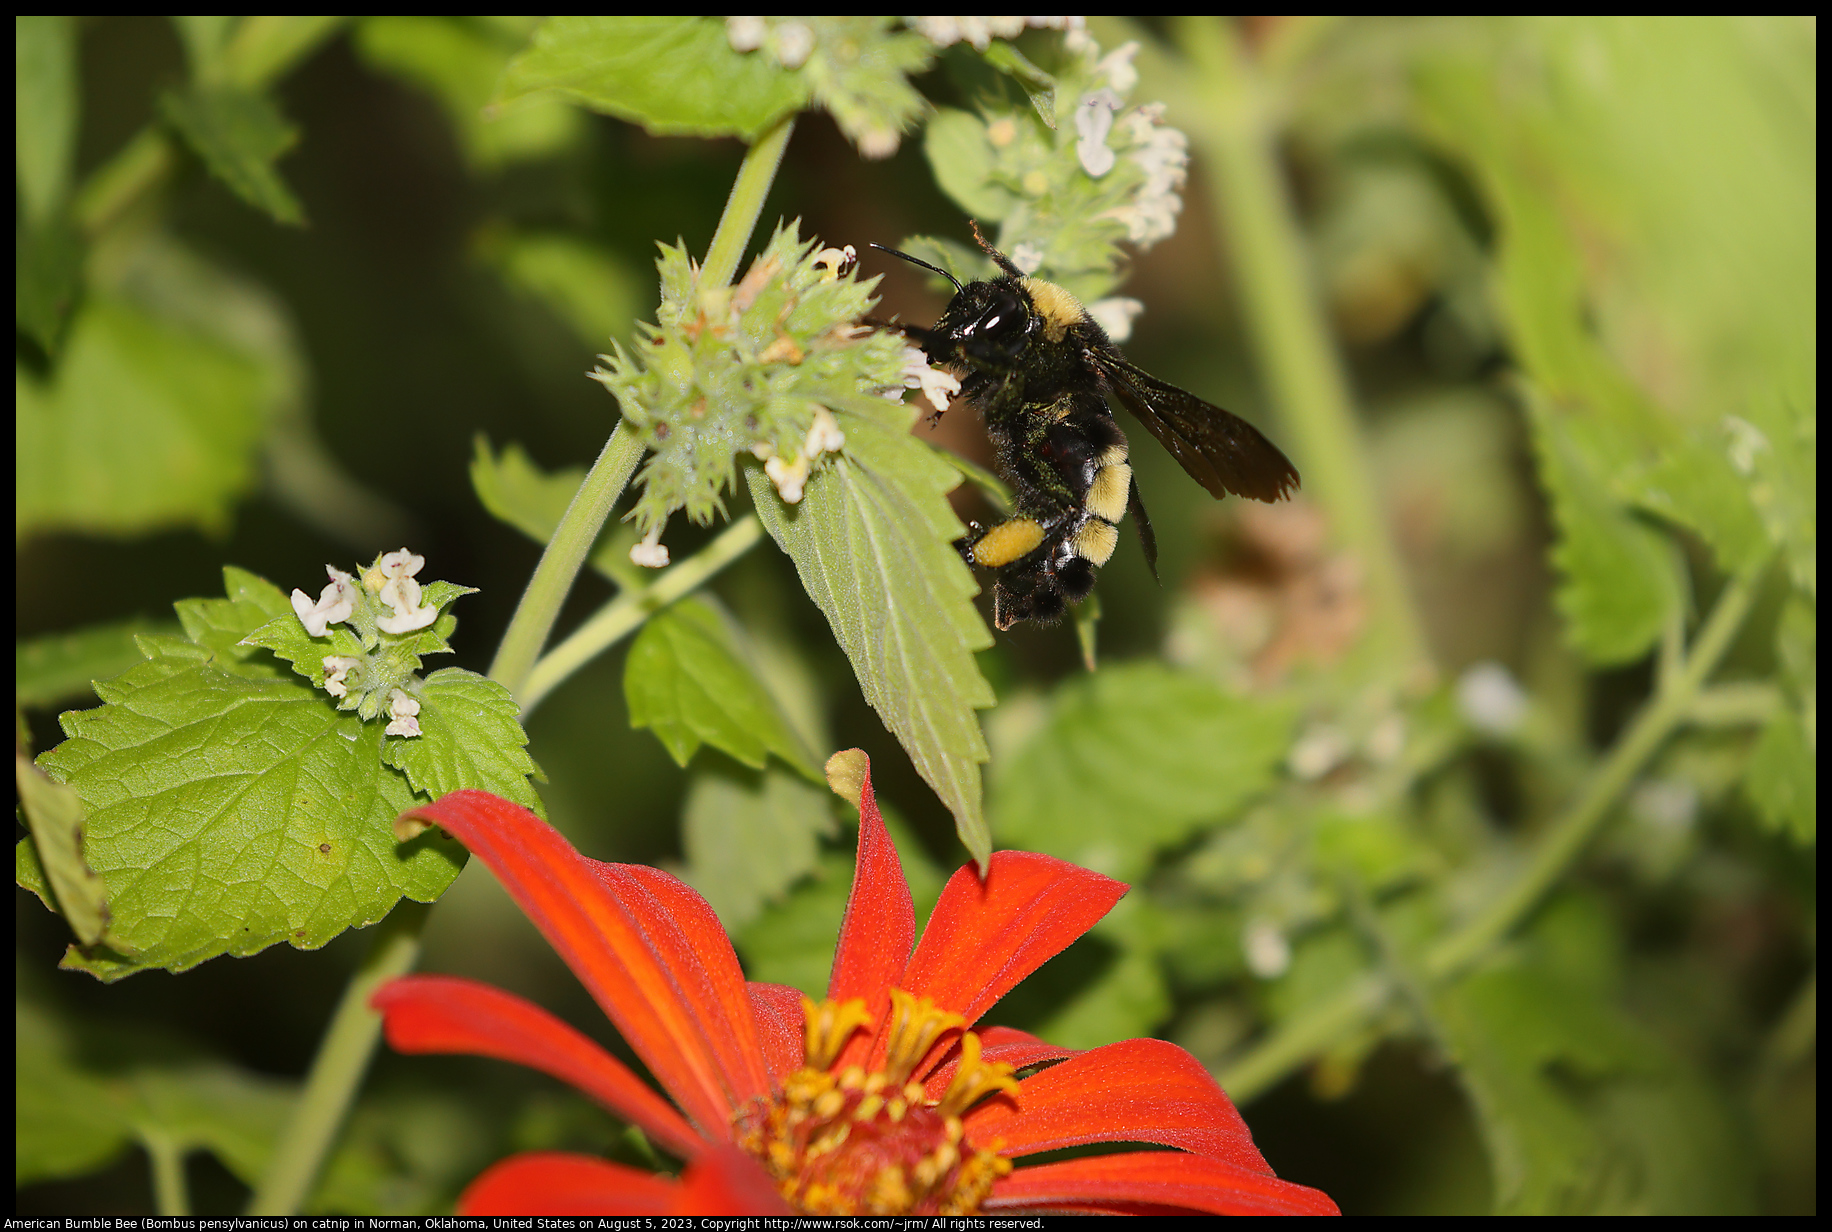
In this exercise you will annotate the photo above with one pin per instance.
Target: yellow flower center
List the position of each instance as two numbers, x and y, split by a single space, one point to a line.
873 1143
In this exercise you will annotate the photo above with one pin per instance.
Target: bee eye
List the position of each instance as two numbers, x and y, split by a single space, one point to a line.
1001 315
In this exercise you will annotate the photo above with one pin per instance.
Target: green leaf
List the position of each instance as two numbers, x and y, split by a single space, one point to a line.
749 836
1582 1111
66 1122
672 75
1131 759
792 940
1619 579
46 106
962 160
47 278
143 426
75 1115
688 680
471 737
582 284
59 666
55 817
239 136
1782 779
231 805
1037 84
520 494
459 60
872 543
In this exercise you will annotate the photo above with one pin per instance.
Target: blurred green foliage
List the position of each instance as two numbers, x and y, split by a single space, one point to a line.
1545 883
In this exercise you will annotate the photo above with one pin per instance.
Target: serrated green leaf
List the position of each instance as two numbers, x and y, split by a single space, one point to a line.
748 836
1553 1072
471 737
672 75
1698 488
1619 580
872 543
687 679
45 102
459 60
222 626
230 806
143 426
1782 779
240 136
54 815
961 158
59 666
1131 759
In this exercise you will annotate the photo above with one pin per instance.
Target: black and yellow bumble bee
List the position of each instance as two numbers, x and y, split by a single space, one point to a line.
1039 370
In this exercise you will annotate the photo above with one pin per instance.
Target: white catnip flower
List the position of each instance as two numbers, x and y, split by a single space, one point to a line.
336 603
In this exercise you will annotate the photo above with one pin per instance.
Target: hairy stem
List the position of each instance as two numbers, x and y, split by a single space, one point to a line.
628 610
572 541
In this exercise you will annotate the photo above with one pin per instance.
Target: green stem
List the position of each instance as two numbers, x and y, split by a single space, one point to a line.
171 1190
1301 1038
628 610
591 505
1235 129
1568 836
337 1070
563 557
744 205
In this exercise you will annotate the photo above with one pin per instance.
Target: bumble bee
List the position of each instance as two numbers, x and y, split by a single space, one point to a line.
1040 370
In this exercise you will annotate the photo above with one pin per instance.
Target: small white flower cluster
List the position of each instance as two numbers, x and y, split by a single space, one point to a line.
789 43
791 476
336 603
391 581
1164 153
937 386
980 31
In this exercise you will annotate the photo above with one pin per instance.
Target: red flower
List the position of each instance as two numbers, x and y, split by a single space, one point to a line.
879 1100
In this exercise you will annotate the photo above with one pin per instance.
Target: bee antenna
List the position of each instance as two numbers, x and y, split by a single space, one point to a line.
917 261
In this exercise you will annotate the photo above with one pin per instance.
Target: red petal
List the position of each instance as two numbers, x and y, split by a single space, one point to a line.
726 1181
1140 1090
1008 1044
443 1014
880 925
985 936
1193 1183
556 1183
781 1027
648 970
686 934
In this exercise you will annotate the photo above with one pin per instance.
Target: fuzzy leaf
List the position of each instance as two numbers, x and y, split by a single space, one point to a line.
1131 759
872 542
687 680
471 734
231 806
672 75
749 836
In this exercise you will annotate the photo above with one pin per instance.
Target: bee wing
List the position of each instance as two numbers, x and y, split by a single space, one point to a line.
1221 451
